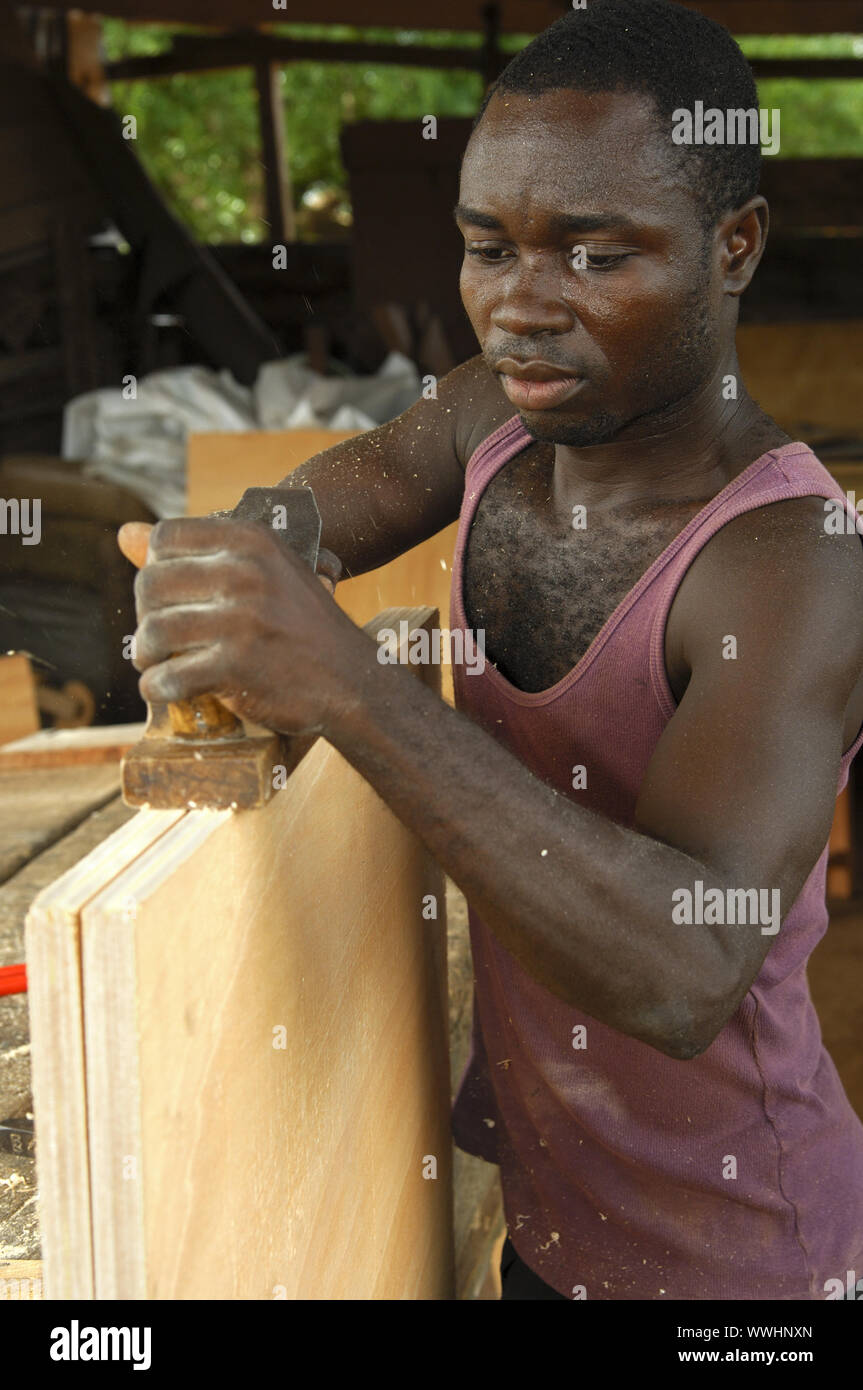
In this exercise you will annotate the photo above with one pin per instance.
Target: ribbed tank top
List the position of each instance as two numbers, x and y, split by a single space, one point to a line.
615 1158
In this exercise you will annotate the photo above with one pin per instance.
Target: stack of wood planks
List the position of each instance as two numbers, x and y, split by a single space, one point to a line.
240 1060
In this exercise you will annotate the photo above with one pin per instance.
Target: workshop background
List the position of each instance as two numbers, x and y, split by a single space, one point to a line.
220 218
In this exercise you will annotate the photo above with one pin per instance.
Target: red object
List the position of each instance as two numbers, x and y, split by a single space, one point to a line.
13 979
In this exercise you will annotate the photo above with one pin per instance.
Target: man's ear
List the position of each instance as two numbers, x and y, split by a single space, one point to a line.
743 237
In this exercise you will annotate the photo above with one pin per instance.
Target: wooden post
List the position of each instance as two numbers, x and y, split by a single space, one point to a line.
492 56
280 210
86 68
15 44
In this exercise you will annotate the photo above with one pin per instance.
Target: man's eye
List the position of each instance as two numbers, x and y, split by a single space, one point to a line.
582 259
589 260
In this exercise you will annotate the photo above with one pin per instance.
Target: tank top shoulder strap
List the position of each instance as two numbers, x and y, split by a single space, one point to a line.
503 444
789 472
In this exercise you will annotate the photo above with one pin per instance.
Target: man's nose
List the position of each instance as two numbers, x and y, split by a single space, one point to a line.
531 303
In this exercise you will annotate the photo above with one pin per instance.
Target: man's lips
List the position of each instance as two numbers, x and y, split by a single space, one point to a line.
536 385
540 395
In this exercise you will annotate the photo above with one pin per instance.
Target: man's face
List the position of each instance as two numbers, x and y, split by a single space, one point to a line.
640 326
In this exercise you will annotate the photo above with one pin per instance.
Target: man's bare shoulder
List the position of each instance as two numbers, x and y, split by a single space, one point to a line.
791 580
796 539
480 406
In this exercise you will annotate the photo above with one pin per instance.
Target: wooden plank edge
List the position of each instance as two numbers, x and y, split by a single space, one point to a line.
109 969
70 747
52 947
21 1280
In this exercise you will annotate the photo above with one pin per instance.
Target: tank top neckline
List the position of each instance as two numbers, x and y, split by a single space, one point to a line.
553 692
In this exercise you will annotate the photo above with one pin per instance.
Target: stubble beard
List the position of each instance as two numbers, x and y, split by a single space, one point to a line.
685 362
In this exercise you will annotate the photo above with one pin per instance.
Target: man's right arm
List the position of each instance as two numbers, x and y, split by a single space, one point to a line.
383 492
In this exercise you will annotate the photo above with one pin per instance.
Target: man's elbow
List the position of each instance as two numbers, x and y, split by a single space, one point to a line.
679 1030
688 1048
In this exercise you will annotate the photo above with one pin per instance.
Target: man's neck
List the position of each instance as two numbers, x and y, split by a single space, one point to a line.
693 450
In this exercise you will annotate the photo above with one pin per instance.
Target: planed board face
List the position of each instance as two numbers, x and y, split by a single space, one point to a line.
240 1052
267 1056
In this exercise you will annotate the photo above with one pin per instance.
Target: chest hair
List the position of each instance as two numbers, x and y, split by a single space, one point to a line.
541 589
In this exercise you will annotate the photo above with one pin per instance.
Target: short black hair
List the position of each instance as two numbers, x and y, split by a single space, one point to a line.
659 48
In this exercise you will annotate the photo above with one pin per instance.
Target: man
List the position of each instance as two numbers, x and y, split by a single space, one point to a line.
639 786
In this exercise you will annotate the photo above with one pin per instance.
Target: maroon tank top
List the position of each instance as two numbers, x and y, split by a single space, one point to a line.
615 1158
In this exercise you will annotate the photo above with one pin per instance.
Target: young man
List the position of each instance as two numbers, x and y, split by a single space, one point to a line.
636 793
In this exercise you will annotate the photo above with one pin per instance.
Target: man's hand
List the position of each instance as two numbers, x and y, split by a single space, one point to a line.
225 608
134 538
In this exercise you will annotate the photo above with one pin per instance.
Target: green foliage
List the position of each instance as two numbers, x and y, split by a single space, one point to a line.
821 118
198 133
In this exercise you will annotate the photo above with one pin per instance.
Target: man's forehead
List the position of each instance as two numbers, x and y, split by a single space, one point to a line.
578 151
565 113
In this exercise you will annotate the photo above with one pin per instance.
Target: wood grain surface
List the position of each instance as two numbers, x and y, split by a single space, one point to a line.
264 1060
40 805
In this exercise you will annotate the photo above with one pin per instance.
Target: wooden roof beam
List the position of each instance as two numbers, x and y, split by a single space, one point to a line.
515 16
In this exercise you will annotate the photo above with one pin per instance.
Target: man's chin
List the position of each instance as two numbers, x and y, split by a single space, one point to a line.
578 434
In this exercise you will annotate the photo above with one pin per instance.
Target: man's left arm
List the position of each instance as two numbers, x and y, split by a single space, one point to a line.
739 794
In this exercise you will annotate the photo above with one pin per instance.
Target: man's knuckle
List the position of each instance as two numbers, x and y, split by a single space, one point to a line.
144 587
151 634
240 573
161 536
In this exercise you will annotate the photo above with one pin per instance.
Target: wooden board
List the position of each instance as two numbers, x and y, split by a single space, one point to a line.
19 713
53 952
21 1279
804 194
16 897
218 1164
39 805
221 466
19 1213
805 374
70 747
